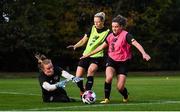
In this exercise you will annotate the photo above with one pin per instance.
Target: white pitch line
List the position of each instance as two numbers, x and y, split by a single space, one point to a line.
90 106
103 105
18 93
28 94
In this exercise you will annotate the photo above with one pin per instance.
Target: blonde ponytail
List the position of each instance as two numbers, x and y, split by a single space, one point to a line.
42 59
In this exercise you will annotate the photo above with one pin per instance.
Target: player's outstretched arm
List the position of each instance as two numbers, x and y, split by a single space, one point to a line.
141 49
101 47
69 76
49 87
77 79
61 84
52 87
80 43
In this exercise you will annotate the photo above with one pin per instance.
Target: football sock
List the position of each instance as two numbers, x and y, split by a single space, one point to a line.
89 83
107 89
124 93
80 85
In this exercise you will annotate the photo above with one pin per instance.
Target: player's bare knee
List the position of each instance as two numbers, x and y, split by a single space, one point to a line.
91 71
120 88
79 75
108 79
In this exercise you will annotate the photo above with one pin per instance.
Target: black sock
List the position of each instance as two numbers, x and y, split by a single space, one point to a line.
80 85
107 89
89 83
124 93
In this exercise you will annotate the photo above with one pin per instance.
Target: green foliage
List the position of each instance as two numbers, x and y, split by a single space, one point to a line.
48 26
152 23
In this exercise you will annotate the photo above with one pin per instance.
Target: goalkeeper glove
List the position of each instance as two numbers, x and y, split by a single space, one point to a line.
61 84
76 79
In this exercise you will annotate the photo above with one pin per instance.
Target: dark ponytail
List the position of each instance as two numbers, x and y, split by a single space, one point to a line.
120 20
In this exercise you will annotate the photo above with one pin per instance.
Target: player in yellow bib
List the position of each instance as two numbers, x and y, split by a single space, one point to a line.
94 38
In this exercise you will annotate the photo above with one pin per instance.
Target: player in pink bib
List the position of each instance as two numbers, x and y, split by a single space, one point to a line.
119 49
119 54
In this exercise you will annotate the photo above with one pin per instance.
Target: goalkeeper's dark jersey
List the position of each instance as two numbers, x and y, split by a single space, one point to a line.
53 96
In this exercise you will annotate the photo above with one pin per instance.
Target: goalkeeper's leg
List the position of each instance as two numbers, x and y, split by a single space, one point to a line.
59 95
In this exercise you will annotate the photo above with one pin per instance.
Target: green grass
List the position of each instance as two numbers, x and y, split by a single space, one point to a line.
147 93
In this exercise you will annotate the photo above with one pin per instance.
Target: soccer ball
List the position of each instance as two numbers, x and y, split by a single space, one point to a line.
89 97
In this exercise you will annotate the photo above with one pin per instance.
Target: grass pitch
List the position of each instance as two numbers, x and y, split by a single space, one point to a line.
147 93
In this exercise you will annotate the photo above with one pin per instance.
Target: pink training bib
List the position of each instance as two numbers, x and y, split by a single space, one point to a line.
119 49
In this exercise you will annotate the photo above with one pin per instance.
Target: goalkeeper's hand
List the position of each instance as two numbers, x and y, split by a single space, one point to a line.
61 84
76 79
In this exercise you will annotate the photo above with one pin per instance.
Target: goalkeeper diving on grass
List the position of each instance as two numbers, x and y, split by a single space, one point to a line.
49 79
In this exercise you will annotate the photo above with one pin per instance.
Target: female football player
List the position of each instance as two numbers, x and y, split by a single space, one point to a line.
119 55
94 38
52 89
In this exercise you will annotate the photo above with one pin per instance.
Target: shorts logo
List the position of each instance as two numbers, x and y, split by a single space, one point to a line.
96 62
51 81
107 64
51 98
56 78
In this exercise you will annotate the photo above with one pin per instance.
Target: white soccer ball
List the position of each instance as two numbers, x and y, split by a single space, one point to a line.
89 97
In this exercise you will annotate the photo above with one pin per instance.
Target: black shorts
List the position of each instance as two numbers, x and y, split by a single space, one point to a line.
87 61
121 67
58 95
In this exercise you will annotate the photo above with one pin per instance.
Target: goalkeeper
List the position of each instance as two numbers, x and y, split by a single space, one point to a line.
52 89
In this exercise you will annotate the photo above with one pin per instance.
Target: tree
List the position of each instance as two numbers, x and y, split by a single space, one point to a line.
48 26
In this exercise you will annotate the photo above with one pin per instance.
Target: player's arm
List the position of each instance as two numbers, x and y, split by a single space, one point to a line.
141 49
49 87
52 87
69 76
98 49
80 43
